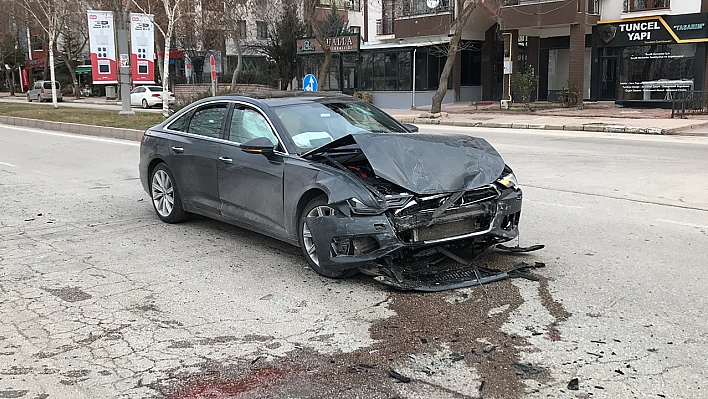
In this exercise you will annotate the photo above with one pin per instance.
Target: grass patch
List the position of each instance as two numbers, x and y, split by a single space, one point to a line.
87 116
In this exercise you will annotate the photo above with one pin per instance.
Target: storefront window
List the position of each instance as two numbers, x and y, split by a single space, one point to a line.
386 70
656 72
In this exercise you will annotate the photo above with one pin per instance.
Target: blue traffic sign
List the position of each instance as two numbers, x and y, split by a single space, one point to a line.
309 83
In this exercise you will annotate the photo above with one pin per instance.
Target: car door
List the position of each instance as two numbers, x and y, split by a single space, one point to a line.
193 155
251 185
135 95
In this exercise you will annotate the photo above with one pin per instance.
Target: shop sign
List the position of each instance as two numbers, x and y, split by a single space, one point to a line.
338 44
657 29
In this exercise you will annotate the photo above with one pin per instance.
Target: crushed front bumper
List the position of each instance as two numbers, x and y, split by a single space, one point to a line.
353 241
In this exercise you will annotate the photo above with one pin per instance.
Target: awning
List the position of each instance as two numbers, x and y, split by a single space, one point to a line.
83 70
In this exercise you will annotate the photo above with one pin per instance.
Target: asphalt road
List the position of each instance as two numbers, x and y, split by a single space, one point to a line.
99 299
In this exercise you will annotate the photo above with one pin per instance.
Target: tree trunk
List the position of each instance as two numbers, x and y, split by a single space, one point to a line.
51 71
239 65
324 68
452 51
10 76
327 63
71 65
166 74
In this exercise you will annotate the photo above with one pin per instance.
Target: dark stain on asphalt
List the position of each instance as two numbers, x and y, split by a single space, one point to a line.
424 325
554 307
68 294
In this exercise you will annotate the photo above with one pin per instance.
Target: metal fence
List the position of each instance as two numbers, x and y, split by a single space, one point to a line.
688 103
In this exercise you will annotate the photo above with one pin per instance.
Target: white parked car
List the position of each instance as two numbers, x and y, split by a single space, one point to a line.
149 96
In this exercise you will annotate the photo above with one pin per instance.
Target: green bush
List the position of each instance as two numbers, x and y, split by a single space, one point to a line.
524 84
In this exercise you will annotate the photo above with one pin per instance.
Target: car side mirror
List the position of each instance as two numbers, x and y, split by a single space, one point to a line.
411 128
259 145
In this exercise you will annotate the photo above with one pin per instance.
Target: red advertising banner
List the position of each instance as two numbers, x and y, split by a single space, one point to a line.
24 79
102 46
142 48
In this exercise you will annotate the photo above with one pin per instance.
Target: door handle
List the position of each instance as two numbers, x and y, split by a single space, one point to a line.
178 150
226 160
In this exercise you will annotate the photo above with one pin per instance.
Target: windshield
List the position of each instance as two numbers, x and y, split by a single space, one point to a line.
313 125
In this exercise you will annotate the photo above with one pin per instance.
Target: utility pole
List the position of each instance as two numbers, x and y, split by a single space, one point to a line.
124 57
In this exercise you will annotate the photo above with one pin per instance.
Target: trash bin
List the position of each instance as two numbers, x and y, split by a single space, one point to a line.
110 93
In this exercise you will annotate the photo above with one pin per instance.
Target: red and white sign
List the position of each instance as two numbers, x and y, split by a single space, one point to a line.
104 69
24 79
142 48
212 62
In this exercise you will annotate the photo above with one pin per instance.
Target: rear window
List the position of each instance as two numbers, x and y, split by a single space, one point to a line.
48 85
155 88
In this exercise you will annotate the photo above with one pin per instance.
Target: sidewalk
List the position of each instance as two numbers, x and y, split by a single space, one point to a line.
595 117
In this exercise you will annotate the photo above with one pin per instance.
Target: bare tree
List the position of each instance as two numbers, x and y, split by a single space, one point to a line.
463 11
73 36
172 15
310 11
50 16
283 31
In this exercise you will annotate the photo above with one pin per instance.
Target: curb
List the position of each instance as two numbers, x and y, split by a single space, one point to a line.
75 128
585 127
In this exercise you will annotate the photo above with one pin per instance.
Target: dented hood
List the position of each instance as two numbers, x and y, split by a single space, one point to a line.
425 163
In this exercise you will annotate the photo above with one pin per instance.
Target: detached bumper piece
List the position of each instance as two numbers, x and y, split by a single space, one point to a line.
434 279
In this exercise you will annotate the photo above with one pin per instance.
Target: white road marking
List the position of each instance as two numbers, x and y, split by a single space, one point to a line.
74 136
8 164
700 226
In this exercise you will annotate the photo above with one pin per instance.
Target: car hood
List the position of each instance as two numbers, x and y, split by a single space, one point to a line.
425 163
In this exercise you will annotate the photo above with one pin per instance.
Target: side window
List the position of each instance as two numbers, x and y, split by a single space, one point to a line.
247 124
181 124
207 120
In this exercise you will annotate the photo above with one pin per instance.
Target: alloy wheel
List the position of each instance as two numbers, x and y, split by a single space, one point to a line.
163 195
307 238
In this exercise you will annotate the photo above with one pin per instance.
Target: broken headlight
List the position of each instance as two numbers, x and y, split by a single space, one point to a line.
508 180
359 208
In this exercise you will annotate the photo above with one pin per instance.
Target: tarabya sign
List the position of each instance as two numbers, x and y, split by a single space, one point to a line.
338 44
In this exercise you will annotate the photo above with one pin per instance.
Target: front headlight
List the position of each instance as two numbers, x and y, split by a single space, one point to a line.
508 180
360 208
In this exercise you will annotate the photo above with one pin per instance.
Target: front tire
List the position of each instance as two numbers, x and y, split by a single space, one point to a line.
145 104
29 99
165 198
317 207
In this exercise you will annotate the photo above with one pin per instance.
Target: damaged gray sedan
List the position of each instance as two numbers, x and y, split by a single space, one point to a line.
352 187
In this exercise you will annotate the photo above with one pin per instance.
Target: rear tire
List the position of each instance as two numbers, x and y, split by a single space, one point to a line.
145 104
317 206
165 198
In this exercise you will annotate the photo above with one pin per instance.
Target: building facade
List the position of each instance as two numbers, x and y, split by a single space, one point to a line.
644 52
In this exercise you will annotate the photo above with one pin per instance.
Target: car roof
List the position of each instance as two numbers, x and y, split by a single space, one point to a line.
276 98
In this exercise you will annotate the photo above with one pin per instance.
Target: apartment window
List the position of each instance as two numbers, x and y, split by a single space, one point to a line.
37 44
241 28
261 30
640 5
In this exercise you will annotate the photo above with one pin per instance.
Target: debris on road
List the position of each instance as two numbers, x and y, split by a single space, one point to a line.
518 249
400 377
574 384
426 276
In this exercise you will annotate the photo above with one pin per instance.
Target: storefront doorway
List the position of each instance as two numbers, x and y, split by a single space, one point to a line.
609 64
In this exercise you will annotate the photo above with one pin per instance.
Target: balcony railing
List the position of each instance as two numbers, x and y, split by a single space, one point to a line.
384 26
411 8
592 6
